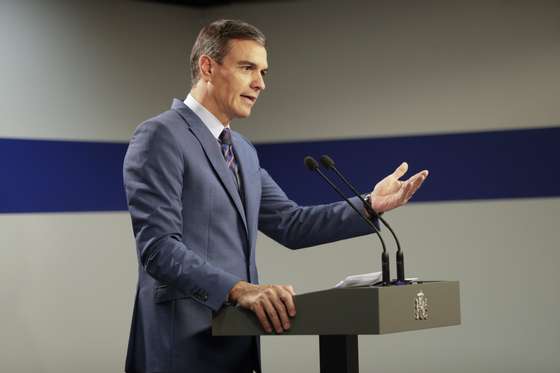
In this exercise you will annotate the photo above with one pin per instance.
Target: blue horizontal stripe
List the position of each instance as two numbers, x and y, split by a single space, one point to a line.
466 166
58 176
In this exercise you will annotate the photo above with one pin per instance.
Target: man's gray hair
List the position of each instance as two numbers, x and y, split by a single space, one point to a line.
213 41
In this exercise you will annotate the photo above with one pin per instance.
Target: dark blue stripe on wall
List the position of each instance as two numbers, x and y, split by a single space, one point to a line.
58 176
466 166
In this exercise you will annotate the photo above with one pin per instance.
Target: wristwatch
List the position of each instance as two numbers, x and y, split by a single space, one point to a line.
368 201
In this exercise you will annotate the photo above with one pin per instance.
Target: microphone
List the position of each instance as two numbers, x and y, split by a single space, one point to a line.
329 164
312 165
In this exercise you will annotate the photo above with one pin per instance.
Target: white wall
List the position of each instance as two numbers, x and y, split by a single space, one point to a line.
87 71
93 71
90 70
363 68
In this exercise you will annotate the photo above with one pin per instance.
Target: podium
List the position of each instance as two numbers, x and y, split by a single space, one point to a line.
338 316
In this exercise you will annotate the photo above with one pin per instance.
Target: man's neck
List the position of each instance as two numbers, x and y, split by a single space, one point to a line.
205 99
208 119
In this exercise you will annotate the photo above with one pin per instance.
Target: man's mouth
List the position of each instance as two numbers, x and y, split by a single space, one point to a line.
250 99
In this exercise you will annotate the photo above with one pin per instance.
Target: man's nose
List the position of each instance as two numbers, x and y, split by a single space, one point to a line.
258 82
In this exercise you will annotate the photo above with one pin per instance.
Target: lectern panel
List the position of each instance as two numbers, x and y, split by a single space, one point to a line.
354 311
419 306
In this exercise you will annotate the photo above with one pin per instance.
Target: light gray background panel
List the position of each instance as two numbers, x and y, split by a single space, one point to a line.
94 70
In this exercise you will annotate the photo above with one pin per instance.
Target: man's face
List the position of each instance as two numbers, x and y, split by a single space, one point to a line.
237 82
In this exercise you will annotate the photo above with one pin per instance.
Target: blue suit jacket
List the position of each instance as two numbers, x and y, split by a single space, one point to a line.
195 236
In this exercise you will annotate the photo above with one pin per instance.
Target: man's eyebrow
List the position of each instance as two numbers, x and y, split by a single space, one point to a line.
245 62
249 63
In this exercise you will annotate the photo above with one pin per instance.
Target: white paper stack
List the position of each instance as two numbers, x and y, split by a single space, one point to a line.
365 279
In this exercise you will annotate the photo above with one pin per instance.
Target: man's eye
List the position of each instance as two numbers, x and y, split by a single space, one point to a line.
247 68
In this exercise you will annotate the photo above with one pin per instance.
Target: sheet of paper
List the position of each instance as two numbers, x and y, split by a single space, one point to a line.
364 279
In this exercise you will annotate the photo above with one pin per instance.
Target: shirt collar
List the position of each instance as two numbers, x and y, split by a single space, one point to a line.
210 121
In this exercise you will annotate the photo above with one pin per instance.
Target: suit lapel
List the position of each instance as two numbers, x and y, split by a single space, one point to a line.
246 162
213 153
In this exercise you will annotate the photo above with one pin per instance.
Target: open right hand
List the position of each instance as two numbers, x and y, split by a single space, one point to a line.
273 304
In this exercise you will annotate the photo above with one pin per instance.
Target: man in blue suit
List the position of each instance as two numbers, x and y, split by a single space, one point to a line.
197 196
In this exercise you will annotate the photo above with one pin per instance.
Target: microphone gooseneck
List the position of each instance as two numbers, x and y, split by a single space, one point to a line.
312 165
328 163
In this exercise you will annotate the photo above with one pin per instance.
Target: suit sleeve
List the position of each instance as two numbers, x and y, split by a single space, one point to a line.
297 226
153 179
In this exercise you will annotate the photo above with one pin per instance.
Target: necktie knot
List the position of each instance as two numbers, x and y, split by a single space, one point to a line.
225 136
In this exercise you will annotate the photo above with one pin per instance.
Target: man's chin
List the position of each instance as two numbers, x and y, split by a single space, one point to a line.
244 114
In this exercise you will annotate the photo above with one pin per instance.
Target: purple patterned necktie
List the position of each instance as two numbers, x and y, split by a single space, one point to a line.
227 151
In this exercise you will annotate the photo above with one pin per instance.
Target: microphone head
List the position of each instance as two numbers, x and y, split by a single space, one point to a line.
327 161
311 163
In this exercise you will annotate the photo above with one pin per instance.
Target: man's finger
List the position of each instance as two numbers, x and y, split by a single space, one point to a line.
406 191
401 170
290 288
263 319
420 175
423 173
272 315
282 313
289 302
413 184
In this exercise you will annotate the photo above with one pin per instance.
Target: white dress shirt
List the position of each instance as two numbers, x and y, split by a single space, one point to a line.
210 121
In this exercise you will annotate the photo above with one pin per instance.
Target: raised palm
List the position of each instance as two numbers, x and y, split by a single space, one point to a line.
391 192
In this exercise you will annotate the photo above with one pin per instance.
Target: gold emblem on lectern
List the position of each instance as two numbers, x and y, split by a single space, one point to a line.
420 306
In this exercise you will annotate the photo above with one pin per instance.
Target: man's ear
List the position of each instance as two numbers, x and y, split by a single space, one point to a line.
206 67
